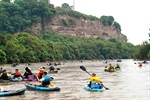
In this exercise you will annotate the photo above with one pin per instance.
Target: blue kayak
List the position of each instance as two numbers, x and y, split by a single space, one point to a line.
94 89
40 88
12 92
16 79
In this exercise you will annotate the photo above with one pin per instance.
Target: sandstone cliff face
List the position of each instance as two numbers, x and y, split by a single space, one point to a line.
80 28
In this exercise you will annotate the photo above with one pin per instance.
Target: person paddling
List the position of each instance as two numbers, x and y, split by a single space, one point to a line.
117 66
4 75
51 68
140 64
45 80
40 74
27 72
95 82
17 74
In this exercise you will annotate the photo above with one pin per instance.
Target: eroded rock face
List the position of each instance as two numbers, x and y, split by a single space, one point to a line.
64 24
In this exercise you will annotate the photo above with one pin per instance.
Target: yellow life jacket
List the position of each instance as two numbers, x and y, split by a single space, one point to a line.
2 74
95 79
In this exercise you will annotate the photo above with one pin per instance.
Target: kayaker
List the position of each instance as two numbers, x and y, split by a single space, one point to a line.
95 82
117 66
110 67
17 74
140 64
49 62
145 62
4 75
45 80
28 63
27 72
41 71
51 68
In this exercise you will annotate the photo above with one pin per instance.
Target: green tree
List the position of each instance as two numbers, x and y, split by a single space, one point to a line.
2 57
107 20
6 1
66 6
118 27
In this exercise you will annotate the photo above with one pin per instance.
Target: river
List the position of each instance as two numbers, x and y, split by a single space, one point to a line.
132 83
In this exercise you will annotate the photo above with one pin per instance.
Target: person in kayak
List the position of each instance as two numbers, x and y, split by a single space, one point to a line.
110 67
95 82
45 80
51 68
117 67
41 71
27 72
140 64
4 75
16 74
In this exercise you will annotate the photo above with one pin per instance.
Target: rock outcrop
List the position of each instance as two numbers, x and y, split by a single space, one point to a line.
82 28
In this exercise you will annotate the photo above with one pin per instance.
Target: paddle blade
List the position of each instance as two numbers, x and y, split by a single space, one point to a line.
58 68
105 87
83 68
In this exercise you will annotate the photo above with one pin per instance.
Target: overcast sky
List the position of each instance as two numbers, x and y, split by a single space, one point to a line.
132 15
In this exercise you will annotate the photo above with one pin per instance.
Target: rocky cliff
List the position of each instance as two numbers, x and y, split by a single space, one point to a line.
81 28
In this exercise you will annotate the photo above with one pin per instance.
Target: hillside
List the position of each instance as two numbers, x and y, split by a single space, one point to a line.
79 27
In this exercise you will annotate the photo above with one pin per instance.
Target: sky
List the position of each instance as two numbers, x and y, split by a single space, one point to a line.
132 15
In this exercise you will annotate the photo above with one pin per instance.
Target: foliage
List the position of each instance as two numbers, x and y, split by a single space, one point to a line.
108 21
143 51
75 14
20 15
118 27
64 22
24 47
2 57
66 6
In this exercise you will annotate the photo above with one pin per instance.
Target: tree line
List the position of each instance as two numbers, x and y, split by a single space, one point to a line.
24 47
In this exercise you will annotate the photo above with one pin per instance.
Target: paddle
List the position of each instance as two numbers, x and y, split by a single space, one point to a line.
84 69
58 68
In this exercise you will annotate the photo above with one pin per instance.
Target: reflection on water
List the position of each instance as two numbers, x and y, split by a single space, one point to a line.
132 83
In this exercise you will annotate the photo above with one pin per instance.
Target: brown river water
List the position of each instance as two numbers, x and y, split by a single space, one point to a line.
132 83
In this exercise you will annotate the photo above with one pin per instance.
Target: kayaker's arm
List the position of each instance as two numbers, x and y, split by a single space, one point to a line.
38 78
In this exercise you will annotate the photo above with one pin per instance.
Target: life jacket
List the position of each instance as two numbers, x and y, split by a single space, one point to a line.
17 74
5 76
95 79
117 68
140 64
40 73
47 78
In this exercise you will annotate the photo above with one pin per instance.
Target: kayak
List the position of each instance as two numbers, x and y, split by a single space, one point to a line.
30 78
4 81
119 60
12 92
17 79
117 69
40 88
94 89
